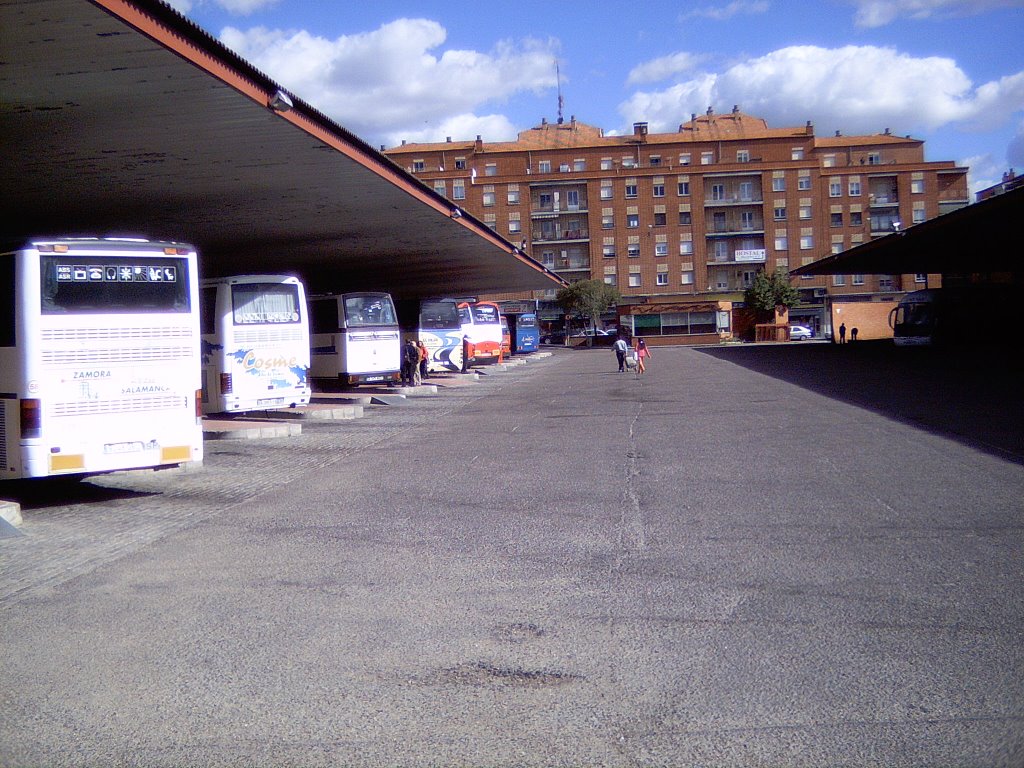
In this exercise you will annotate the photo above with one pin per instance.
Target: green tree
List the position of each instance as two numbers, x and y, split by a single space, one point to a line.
588 298
770 291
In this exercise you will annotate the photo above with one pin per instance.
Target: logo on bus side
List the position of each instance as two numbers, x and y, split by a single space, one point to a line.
251 362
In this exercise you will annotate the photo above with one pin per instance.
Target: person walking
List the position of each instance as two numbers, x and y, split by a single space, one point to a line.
620 346
643 354
842 333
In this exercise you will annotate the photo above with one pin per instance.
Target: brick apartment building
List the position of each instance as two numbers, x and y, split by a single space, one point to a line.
681 222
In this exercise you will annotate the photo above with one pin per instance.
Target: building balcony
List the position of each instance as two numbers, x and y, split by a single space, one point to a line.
549 211
731 200
560 235
730 228
739 257
572 265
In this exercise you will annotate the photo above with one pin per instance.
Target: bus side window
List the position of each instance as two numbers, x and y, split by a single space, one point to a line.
7 313
323 316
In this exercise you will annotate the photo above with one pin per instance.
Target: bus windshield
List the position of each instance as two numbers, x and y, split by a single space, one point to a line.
106 284
439 315
265 303
372 309
485 314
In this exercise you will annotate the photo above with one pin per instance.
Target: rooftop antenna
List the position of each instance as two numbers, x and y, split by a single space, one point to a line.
558 79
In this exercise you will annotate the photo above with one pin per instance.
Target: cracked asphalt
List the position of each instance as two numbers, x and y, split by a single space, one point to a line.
725 562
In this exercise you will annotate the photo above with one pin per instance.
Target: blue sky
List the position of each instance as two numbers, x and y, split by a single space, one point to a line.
950 72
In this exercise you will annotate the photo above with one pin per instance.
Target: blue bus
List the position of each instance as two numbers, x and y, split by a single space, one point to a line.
524 332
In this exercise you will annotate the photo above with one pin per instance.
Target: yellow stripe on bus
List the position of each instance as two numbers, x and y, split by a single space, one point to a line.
176 453
67 462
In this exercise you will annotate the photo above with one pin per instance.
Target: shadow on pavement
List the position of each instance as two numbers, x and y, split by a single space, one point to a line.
973 396
60 491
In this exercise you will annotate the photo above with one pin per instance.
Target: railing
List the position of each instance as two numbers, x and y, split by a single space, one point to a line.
540 236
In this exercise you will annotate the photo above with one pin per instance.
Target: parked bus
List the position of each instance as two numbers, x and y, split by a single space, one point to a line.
481 322
525 333
355 338
436 323
255 349
99 357
962 315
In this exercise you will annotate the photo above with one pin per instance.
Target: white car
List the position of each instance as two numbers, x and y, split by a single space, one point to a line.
799 332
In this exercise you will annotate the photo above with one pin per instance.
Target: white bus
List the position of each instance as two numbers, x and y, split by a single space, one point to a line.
355 338
481 322
255 349
99 357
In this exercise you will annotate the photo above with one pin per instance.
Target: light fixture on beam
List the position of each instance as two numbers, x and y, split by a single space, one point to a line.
280 102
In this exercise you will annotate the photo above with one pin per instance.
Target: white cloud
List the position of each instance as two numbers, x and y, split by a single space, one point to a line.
723 12
245 7
878 13
662 68
391 80
855 89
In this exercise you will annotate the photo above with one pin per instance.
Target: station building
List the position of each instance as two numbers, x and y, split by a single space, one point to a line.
682 222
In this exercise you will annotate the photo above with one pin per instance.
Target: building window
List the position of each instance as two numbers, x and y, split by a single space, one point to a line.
835 220
874 158
608 251
633 250
917 186
686 278
491 169
856 219
572 199
920 277
632 220
439 187
839 280
781 243
544 166
835 188
742 156
606 163
608 222
707 158
918 216
628 162
609 279
683 188
837 248
514 226
630 190
513 197
546 200
579 165
662 278
686 248
684 159
547 258
854 188
803 183
654 160
460 163
746 220
685 218
606 192
418 166
746 191
858 279
718 192
806 242
661 249
829 161
778 184
659 190
459 189
634 281
721 250
660 220
804 212
796 153
488 199
780 214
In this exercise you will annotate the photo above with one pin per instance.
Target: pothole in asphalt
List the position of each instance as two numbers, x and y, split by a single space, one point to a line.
518 632
482 674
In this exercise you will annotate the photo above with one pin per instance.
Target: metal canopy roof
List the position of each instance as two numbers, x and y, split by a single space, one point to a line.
979 238
122 117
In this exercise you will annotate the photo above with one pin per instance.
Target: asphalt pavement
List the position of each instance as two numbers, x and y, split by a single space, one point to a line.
729 561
